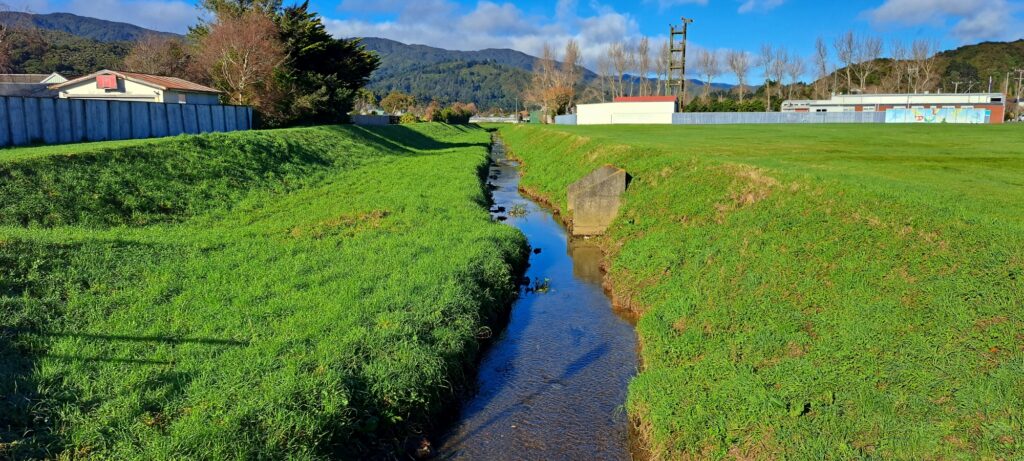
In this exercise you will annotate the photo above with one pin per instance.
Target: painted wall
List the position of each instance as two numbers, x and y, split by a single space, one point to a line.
132 91
968 116
618 113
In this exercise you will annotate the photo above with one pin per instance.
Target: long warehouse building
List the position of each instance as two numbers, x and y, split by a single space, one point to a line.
913 108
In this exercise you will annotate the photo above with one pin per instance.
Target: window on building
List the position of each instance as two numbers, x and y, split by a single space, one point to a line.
181 98
997 99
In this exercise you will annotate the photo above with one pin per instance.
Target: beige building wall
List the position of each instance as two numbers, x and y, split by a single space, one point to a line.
620 113
132 91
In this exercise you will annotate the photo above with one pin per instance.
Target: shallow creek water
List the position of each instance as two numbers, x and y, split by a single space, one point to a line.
553 385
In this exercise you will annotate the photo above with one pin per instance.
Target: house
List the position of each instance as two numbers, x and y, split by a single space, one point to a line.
132 86
919 107
29 85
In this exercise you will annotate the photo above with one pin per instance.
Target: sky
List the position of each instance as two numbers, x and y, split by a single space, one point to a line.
527 25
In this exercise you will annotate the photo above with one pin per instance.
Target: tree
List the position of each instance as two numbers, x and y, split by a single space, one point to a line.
643 51
821 67
604 74
779 67
662 63
866 55
768 66
898 70
795 68
922 70
549 88
396 102
617 54
631 65
160 55
365 101
739 64
572 62
709 66
5 49
240 55
846 47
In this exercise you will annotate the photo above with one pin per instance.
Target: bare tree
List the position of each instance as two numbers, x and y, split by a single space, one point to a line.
866 55
572 62
767 63
631 66
795 68
922 70
603 74
708 66
821 68
846 47
643 53
159 55
617 53
779 67
240 55
898 72
662 64
739 64
552 87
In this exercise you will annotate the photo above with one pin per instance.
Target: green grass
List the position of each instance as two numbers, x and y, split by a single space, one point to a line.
814 292
304 294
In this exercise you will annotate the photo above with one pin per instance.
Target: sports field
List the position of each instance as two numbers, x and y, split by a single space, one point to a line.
813 292
309 293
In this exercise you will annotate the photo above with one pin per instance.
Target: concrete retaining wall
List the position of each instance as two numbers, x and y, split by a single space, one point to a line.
25 121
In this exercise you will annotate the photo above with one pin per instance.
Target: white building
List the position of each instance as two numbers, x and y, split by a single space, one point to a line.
646 110
994 102
132 86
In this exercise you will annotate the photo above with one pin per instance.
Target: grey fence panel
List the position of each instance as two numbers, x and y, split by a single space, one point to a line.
174 123
738 118
140 120
218 117
16 120
32 126
190 122
48 120
565 119
5 123
63 108
78 130
157 120
120 120
26 120
97 120
205 119
251 120
230 123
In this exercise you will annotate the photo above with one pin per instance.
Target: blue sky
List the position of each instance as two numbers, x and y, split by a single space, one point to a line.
527 25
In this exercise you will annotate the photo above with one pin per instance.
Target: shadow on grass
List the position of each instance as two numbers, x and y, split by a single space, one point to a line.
403 139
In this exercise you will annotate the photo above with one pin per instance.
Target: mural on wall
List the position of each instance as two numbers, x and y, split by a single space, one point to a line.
937 116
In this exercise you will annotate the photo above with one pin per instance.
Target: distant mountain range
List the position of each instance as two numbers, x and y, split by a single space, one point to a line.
81 26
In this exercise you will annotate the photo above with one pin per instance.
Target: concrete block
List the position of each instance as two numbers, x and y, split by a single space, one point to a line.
595 199
78 129
157 120
230 123
33 126
140 120
16 114
97 120
190 122
217 112
205 118
62 107
48 120
175 124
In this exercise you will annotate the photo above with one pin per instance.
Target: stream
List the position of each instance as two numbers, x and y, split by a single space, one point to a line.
553 385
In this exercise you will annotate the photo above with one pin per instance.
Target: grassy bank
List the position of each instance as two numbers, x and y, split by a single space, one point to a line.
303 294
814 292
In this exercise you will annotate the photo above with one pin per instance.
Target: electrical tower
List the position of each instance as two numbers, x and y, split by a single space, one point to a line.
677 60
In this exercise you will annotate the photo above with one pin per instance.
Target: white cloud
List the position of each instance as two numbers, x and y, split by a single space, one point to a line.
496 25
759 5
972 20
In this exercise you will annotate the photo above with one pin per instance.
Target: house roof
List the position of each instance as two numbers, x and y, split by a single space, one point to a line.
34 79
156 81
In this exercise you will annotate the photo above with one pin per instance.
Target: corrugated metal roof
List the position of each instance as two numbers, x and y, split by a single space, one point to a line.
161 82
23 78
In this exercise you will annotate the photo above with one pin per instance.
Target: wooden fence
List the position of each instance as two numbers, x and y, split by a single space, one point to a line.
25 121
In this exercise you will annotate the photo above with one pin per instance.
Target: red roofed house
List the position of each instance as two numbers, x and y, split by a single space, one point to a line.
131 86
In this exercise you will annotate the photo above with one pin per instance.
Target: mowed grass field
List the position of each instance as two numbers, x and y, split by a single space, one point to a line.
308 293
814 292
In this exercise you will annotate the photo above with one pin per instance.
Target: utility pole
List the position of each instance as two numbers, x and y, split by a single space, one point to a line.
956 87
677 59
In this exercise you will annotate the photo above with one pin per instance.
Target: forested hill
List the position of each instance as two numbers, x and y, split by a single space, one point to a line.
81 26
984 60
